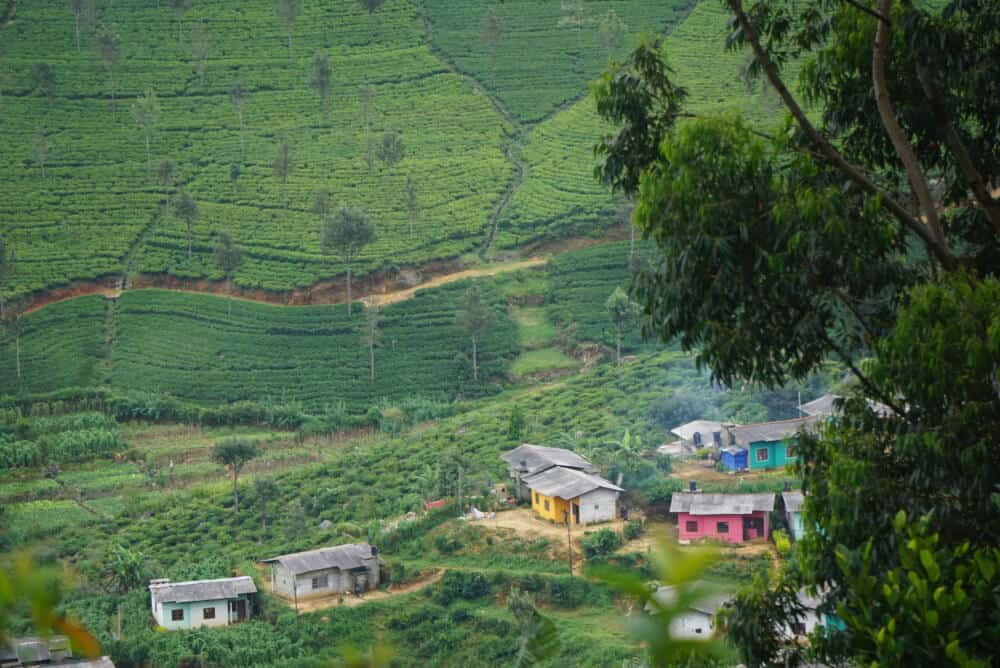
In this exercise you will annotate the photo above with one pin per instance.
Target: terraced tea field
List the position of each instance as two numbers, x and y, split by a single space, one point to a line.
546 52
96 200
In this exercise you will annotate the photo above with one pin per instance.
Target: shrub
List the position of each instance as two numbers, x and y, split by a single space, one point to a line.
601 543
457 585
633 530
781 542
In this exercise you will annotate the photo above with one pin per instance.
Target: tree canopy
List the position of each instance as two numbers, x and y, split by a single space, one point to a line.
870 235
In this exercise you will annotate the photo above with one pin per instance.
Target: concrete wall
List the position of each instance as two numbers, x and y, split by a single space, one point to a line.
600 505
194 614
692 625
777 454
338 582
707 526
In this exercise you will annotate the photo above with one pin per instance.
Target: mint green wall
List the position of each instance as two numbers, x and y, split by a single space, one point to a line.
777 454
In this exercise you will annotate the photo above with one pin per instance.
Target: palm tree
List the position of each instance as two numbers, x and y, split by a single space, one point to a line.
626 452
125 569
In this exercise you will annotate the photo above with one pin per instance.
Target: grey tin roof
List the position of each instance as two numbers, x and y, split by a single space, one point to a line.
567 483
708 604
825 405
777 430
537 458
700 503
344 557
202 590
704 427
793 501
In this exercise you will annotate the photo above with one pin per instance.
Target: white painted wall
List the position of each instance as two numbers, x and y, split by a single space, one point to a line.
198 613
692 625
599 505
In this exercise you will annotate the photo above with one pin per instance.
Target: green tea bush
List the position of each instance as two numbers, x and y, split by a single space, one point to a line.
633 530
601 543
460 585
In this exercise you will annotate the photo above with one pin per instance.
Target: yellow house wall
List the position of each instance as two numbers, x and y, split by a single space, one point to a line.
557 507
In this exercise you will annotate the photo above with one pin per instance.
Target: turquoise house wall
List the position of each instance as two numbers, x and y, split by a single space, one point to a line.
777 454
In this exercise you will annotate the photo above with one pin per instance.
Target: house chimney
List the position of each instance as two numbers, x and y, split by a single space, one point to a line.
524 464
693 486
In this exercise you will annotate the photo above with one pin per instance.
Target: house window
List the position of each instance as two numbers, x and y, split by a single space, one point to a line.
722 527
697 438
546 504
177 615
762 455
691 525
597 506
698 630
320 582
536 498
798 628
717 437
208 613
793 451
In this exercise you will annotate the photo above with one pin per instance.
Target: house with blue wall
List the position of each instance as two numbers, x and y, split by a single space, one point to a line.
197 603
765 445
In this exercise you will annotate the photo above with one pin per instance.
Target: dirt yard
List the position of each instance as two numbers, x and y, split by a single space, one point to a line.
348 600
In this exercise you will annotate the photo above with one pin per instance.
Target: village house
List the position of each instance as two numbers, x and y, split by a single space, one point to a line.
699 434
527 460
344 569
197 603
560 494
697 621
765 445
562 485
731 518
792 502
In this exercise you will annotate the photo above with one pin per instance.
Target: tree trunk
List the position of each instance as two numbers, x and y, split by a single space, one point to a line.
77 16
189 241
149 157
371 27
1 305
180 33
243 149
289 45
349 289
371 353
618 344
114 101
17 349
826 149
236 493
475 361
229 292
914 172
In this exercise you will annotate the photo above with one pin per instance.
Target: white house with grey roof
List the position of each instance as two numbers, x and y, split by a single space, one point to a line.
697 620
197 603
344 569
527 460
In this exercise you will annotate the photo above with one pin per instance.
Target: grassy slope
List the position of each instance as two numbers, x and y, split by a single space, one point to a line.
536 59
96 198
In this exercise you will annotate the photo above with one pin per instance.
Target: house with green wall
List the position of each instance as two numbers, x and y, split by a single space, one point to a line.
771 444
197 603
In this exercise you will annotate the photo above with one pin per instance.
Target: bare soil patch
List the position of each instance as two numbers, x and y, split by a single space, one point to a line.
349 600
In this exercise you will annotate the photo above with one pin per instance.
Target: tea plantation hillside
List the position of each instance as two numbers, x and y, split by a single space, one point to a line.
98 204
186 346
545 53
559 194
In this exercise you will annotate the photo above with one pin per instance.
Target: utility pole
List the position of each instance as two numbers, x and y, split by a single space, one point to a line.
569 541
295 592
460 490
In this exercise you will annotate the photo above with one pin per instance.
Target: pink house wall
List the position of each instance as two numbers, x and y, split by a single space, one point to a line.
708 527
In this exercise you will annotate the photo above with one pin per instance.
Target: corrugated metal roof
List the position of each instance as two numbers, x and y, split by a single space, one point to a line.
700 503
704 427
793 501
202 590
535 458
825 405
344 557
567 483
777 430
708 604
